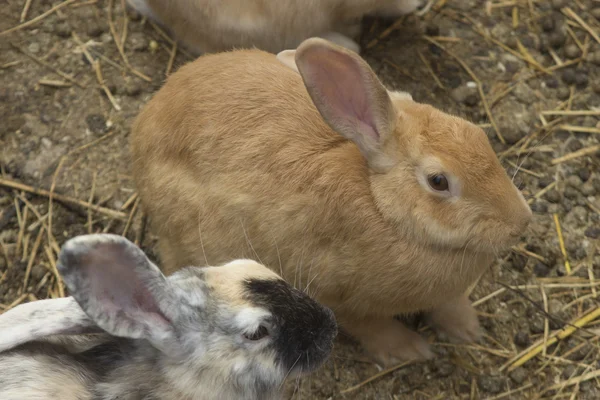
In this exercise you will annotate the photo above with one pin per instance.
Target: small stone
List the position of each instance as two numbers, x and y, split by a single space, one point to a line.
581 79
592 232
551 83
34 47
46 143
558 4
594 57
574 145
596 87
563 93
541 270
519 375
539 207
553 196
63 29
536 324
574 181
568 371
588 189
490 384
557 39
38 272
96 123
521 339
524 93
94 29
443 368
432 30
584 174
568 76
545 181
572 51
132 88
138 41
519 262
548 24
596 13
461 93
471 100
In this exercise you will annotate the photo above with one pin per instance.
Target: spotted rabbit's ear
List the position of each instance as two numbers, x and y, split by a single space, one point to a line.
40 319
118 287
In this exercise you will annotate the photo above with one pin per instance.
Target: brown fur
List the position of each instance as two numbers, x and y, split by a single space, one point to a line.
212 26
232 159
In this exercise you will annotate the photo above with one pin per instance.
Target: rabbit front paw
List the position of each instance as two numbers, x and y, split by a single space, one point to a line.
458 319
389 342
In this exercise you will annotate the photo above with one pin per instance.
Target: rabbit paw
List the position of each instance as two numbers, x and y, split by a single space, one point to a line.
389 342
458 319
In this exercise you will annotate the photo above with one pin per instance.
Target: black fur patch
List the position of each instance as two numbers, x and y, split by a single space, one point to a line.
303 329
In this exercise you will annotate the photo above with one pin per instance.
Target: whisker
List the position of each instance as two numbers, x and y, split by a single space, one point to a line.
250 243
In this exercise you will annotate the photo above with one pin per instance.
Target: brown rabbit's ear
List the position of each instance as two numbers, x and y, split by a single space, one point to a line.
288 58
349 96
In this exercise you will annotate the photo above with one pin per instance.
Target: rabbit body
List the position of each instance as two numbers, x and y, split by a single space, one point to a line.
271 25
231 332
232 159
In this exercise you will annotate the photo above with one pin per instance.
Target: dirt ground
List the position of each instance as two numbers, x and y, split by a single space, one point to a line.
527 71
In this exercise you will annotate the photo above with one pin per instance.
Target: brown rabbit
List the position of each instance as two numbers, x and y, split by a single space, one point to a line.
375 204
206 26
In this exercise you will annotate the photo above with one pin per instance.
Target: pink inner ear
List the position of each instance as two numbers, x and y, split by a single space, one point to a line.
338 79
116 284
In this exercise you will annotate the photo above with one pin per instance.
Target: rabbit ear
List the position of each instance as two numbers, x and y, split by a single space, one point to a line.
117 286
40 319
288 58
349 96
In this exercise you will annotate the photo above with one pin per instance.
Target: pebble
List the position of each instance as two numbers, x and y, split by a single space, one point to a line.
34 47
569 76
568 371
541 270
94 29
524 93
596 87
557 39
461 93
138 41
574 181
551 83
594 57
519 375
132 88
581 79
521 339
443 368
584 174
572 51
38 272
596 13
519 262
539 207
553 196
558 4
536 324
596 183
63 29
432 30
490 384
472 100
592 232
563 93
96 123
548 24
588 189
574 145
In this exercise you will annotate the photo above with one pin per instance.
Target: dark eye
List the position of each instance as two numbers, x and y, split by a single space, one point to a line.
438 182
260 333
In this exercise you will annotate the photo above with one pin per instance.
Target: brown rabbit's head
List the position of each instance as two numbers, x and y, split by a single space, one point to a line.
433 174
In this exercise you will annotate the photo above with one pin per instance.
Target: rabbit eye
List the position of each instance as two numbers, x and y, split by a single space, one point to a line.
260 333
438 182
